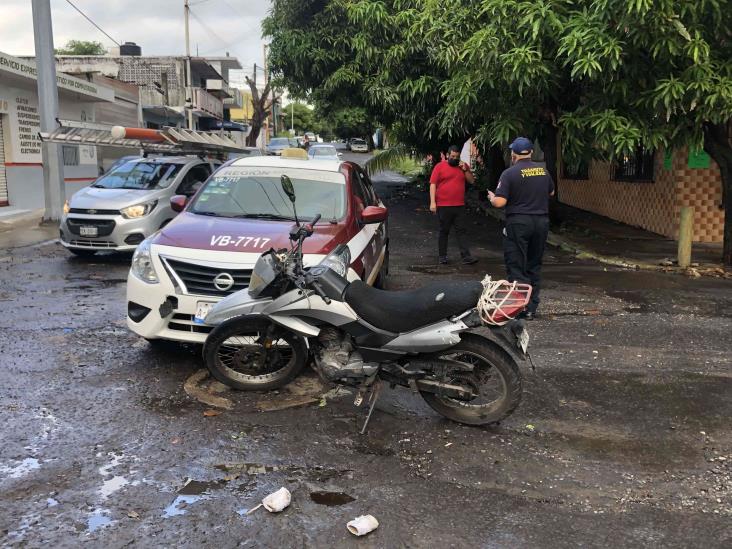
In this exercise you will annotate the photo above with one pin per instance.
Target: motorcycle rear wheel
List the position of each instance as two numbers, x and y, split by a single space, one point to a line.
492 366
238 354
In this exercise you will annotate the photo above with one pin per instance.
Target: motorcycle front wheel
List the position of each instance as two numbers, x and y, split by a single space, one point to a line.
253 354
495 379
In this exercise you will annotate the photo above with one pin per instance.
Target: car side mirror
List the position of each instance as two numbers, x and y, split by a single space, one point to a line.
373 214
178 202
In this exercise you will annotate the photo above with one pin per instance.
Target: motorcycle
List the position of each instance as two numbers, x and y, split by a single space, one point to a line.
362 337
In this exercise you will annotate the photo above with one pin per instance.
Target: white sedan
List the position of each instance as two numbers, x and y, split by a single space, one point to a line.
323 152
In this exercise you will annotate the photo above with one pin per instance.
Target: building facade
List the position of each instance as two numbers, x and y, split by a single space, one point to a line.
165 98
648 190
21 168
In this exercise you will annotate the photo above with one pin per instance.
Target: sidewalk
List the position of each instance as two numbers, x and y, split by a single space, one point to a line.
20 228
591 236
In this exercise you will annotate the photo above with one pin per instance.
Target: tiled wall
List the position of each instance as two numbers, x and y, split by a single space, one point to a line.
655 205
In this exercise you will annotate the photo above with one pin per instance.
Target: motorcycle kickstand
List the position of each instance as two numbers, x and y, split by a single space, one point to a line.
373 398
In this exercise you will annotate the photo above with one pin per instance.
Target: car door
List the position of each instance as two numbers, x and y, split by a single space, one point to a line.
364 245
380 241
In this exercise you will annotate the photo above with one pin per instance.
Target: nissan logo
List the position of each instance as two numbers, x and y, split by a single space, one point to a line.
223 281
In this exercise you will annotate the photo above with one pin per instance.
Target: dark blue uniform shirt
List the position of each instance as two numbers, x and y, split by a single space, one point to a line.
526 186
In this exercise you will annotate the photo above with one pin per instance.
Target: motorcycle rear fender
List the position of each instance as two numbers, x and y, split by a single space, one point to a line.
237 304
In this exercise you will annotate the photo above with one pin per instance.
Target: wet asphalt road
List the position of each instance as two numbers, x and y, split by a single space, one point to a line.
623 437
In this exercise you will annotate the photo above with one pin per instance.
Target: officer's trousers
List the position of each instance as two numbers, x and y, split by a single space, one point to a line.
523 249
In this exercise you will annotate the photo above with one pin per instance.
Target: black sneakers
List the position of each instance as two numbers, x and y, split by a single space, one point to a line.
444 261
469 260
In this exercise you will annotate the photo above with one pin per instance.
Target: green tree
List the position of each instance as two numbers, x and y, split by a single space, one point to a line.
302 115
607 75
82 47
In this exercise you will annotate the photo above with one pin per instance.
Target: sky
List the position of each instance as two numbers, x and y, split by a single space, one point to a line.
216 26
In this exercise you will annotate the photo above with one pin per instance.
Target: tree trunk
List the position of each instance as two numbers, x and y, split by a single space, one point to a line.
260 109
717 144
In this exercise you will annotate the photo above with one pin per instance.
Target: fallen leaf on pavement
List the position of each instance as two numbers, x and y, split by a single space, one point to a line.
176 440
211 413
133 514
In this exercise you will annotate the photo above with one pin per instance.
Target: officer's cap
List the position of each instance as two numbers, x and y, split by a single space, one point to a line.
521 145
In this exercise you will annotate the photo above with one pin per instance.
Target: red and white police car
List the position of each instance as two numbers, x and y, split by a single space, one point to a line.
209 250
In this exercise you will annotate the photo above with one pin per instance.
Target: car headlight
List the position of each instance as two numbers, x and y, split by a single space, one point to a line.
338 260
142 265
66 207
138 210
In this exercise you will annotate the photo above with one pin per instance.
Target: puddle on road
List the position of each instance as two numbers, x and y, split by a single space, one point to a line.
50 502
21 469
112 485
331 499
98 519
191 492
180 505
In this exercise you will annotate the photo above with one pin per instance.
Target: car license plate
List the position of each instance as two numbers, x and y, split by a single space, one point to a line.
202 310
88 231
523 340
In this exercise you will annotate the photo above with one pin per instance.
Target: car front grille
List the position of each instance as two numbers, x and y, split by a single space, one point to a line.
104 226
199 279
93 212
92 243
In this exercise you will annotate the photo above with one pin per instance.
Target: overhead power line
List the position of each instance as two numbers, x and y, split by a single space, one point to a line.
92 22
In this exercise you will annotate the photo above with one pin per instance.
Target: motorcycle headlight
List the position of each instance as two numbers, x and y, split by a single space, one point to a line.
142 265
338 260
66 207
138 210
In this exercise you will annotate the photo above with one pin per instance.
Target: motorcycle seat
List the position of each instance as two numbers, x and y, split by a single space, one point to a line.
407 310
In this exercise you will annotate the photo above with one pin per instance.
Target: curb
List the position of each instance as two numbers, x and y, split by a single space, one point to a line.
710 270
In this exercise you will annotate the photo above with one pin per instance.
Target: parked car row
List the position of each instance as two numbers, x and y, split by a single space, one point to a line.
198 226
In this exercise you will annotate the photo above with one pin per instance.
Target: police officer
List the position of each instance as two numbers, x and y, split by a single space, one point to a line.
524 190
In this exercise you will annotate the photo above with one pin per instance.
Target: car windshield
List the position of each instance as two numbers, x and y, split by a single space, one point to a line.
279 142
256 192
358 142
323 151
139 175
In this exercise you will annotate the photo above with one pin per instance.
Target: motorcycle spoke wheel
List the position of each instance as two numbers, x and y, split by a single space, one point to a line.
484 380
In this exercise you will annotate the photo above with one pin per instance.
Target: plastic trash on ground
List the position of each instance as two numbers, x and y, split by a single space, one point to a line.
277 501
360 526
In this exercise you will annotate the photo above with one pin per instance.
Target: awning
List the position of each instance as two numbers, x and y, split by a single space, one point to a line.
163 111
213 124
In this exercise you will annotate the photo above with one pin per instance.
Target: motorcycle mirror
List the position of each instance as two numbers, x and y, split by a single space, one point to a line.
288 187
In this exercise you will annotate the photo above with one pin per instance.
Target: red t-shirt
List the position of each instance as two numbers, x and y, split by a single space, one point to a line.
450 183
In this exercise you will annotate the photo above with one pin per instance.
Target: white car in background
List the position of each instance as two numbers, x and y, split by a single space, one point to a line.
358 145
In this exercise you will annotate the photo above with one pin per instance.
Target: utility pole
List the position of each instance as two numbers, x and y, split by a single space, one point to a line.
189 85
266 120
292 119
53 178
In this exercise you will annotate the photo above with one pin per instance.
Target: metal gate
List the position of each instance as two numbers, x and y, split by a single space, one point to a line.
3 179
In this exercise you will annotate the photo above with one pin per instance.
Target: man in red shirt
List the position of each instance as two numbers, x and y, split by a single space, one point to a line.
447 200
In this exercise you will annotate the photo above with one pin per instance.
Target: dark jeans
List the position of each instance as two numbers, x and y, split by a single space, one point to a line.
452 216
523 249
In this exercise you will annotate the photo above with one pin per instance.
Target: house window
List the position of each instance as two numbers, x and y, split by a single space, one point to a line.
635 167
579 171
70 155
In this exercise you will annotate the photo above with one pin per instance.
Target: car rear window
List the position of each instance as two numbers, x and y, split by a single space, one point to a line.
323 151
251 191
139 175
280 142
